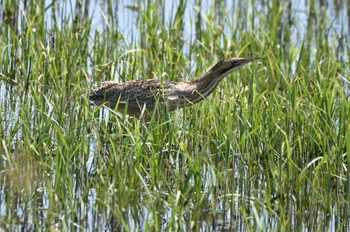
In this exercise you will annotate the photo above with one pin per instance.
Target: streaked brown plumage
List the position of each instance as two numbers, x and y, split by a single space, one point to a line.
135 96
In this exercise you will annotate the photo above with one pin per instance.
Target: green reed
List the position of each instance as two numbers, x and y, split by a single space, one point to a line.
268 150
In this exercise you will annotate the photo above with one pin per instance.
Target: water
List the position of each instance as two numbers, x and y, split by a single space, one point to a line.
91 215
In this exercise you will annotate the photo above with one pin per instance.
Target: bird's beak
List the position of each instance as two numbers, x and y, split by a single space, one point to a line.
242 61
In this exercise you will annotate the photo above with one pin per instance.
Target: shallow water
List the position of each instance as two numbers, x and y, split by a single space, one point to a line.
227 213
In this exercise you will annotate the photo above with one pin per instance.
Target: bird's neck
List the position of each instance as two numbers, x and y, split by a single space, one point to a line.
206 84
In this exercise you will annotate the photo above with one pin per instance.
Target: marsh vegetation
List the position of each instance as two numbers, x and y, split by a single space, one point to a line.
268 150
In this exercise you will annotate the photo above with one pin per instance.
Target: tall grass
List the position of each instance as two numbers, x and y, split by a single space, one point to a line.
268 150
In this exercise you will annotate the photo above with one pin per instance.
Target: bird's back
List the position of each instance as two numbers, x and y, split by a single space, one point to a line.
133 95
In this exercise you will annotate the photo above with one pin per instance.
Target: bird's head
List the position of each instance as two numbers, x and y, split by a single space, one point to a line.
227 66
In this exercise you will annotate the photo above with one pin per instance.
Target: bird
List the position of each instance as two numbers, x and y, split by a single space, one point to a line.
139 96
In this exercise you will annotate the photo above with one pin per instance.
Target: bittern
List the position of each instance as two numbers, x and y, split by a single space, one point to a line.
136 96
